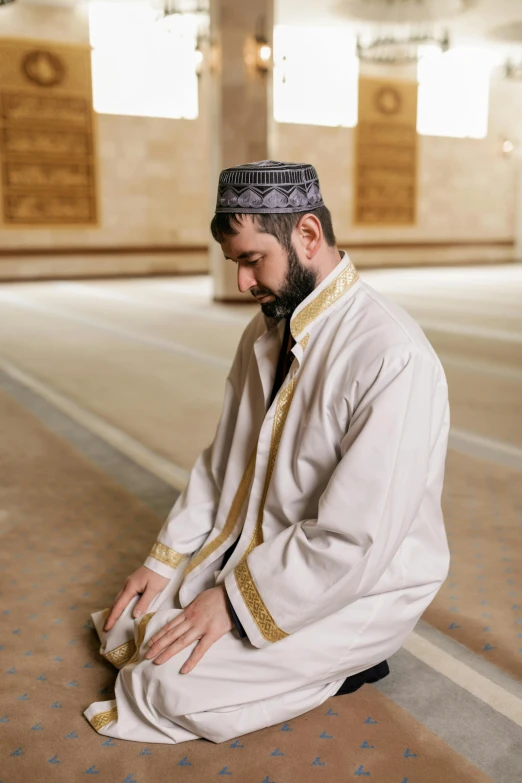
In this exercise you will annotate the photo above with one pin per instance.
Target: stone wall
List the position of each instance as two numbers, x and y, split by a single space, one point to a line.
153 180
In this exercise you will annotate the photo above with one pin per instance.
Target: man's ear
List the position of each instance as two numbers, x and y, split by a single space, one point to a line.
310 234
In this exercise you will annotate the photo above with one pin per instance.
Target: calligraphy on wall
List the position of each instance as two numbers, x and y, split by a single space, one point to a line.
386 153
47 150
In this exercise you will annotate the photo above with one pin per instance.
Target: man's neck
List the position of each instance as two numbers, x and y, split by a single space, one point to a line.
327 264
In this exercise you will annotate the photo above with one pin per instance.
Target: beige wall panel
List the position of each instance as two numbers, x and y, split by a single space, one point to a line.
47 144
386 153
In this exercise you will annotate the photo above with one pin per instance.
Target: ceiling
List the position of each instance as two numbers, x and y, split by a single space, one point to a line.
467 20
498 20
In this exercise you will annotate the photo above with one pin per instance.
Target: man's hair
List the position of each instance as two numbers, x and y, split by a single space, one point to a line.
280 225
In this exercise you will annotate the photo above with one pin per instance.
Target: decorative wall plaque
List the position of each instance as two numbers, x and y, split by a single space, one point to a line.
43 68
46 134
386 153
388 100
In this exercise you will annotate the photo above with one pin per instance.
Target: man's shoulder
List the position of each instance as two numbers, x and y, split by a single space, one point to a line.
379 318
377 329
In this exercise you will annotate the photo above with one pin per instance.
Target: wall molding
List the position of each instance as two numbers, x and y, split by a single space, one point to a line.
18 252
99 250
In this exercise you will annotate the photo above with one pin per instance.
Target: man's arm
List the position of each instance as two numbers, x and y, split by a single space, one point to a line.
192 517
319 566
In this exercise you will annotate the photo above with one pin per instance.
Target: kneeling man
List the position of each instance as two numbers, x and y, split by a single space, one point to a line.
309 539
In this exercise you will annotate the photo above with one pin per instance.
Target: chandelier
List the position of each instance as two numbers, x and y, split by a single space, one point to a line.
399 32
199 8
399 48
403 11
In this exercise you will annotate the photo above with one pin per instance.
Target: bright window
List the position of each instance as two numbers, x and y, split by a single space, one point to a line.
453 97
316 74
141 66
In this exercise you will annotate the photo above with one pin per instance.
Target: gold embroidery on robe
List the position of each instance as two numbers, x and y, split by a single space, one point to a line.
166 555
233 516
283 406
103 718
142 627
324 300
304 342
247 588
255 604
121 655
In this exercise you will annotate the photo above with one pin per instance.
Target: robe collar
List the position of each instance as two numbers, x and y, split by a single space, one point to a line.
323 299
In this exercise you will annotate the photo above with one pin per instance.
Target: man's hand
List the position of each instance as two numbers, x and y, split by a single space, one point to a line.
206 619
143 581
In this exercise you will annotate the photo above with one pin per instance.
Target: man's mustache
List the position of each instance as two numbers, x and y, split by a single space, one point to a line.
261 292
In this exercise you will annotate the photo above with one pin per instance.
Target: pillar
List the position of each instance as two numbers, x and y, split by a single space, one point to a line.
241 106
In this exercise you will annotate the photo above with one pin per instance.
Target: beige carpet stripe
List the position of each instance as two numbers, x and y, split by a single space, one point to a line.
486 448
209 313
129 334
502 335
159 466
464 676
460 440
480 368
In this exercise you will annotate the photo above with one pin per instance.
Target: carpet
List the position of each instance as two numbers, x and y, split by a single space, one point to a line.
69 537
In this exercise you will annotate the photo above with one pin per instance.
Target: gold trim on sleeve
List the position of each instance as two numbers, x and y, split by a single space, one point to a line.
255 604
233 516
166 555
121 655
102 719
324 300
304 341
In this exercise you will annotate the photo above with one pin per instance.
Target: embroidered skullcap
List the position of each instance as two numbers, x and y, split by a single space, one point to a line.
269 187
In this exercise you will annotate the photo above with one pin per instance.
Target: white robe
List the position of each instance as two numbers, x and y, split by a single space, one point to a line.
335 497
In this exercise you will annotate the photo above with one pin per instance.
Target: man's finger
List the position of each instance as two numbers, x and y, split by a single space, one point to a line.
119 605
170 637
183 641
167 627
198 652
144 602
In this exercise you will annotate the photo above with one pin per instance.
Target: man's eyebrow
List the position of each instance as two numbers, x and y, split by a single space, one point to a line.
244 256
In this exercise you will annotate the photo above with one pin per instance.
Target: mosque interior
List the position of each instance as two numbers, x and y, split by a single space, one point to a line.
119 320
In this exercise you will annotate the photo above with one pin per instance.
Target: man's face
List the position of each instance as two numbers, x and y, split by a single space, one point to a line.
277 279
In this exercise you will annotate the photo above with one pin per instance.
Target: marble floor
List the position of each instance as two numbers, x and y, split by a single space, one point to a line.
139 365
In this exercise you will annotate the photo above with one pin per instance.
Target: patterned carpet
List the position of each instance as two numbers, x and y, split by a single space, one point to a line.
480 604
69 536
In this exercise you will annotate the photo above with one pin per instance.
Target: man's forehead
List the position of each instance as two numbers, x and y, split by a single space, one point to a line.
246 243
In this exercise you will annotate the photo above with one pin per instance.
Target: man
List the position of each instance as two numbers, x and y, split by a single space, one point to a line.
310 537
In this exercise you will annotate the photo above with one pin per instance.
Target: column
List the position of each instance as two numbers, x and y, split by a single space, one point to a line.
240 105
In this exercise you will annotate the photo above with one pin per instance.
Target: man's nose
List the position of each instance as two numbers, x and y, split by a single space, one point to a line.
245 278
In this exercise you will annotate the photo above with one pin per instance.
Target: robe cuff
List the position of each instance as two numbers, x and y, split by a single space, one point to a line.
163 560
250 608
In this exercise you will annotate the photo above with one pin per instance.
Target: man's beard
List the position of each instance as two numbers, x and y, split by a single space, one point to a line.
298 284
